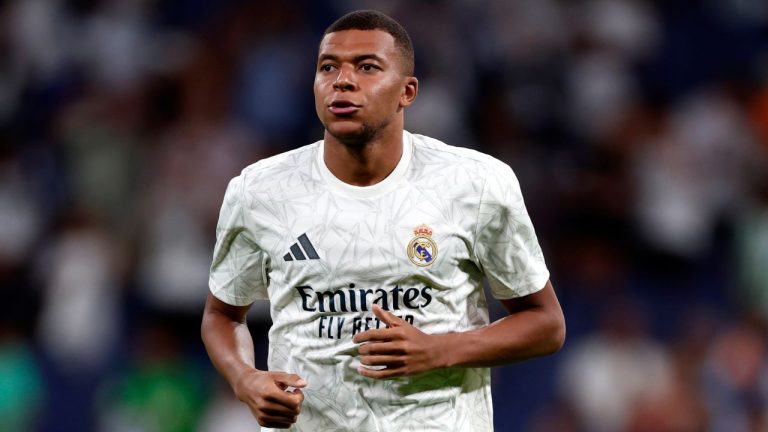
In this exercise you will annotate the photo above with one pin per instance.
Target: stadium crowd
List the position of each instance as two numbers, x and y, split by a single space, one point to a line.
638 130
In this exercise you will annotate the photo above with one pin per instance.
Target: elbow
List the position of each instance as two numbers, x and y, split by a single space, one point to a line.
204 324
553 335
556 335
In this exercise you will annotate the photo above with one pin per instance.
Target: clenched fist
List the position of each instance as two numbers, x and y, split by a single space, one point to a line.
266 394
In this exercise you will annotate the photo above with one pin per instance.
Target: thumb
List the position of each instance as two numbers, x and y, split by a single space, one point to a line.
387 317
290 380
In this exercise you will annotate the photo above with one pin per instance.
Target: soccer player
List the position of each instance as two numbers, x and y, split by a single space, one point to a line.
372 246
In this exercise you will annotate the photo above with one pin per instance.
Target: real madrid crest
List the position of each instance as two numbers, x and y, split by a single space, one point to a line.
422 250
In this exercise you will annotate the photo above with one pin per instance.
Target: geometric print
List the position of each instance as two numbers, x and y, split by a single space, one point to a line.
321 291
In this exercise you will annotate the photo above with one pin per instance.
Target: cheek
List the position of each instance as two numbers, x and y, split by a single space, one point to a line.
387 92
317 89
319 97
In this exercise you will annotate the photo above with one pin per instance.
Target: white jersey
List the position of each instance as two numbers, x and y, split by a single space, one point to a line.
418 244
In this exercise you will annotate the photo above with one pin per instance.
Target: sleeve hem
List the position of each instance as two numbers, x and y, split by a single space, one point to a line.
534 286
232 300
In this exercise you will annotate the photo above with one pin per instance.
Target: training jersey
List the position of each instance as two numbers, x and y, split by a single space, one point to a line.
419 244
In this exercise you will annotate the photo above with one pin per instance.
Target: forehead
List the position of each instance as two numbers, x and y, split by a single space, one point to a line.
356 42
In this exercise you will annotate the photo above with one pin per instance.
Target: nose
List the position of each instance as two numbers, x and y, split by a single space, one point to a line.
345 80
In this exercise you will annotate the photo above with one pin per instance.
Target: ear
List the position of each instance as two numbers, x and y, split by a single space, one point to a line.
410 90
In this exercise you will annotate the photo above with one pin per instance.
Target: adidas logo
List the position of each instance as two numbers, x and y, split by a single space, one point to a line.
298 252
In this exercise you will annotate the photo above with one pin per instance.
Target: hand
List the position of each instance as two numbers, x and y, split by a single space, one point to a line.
402 348
266 395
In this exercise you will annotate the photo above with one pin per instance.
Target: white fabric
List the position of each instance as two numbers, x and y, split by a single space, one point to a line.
479 226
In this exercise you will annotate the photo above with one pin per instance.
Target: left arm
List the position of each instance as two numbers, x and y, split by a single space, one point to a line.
535 326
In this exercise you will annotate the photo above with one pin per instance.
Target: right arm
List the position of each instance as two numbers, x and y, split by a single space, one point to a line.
230 347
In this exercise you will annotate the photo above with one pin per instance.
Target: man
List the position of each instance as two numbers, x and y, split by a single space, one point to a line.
371 246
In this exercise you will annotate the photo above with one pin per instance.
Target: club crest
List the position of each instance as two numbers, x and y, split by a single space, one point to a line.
422 250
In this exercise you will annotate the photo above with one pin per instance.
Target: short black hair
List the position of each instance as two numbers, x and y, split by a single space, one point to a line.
375 20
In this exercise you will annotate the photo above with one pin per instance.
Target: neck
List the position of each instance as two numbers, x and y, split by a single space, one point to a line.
365 163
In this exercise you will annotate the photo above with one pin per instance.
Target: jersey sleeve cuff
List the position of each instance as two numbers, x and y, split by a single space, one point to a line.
230 299
500 291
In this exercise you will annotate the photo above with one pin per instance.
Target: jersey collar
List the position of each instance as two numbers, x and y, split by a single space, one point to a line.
388 184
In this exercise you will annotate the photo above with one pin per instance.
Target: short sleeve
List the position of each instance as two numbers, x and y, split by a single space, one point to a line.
506 245
237 274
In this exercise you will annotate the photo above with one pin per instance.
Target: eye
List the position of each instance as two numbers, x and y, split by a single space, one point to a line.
327 67
368 67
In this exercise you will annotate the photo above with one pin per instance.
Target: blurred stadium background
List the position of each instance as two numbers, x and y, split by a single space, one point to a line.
638 129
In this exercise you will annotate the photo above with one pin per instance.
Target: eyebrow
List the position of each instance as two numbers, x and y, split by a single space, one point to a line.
355 59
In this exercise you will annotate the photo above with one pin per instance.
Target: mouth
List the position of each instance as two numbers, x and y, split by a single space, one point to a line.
343 107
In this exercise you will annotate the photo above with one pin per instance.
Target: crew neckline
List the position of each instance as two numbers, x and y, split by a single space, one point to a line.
389 183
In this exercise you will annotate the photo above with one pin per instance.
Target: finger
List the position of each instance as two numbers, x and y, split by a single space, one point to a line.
382 360
381 348
270 420
381 335
381 373
284 398
285 380
387 317
276 422
278 410
299 394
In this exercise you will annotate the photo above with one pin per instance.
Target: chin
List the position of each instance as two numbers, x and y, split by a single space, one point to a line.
348 132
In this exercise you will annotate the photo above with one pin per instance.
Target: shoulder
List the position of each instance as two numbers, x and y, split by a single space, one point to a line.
279 175
281 165
430 151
